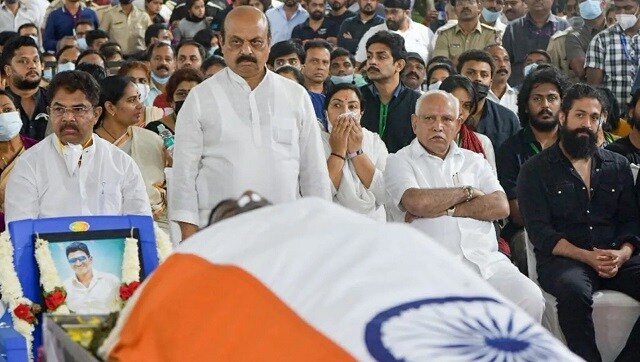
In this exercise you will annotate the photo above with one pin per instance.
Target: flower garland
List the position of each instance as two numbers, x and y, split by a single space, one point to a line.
53 291
23 311
163 243
130 269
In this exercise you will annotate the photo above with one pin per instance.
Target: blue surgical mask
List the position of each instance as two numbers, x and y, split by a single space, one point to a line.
212 50
63 67
10 125
47 74
490 16
529 68
159 80
434 86
82 43
339 79
590 9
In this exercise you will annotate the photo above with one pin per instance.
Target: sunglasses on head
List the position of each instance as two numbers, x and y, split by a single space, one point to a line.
80 258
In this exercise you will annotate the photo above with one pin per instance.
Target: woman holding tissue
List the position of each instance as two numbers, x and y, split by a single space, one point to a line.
356 157
12 144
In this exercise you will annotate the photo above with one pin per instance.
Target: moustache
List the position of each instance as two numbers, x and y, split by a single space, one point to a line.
71 126
373 69
246 58
160 67
414 74
502 71
545 112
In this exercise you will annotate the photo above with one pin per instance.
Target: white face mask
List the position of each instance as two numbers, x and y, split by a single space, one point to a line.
62 67
143 89
626 21
434 86
82 43
72 154
10 125
529 68
47 74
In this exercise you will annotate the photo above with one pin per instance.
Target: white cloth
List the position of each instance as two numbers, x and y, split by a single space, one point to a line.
98 298
107 182
351 193
230 139
472 242
489 153
509 99
27 13
418 38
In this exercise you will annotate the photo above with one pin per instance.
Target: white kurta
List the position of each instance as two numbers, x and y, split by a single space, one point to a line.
418 38
509 99
473 242
98 298
351 193
230 139
107 182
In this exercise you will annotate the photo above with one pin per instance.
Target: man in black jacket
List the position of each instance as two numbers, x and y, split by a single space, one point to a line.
388 104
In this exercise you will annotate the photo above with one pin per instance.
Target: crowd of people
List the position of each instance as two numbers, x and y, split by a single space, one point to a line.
486 124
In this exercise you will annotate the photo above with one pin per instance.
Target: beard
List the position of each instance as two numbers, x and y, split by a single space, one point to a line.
316 15
393 24
543 125
25 84
336 5
290 3
368 10
576 144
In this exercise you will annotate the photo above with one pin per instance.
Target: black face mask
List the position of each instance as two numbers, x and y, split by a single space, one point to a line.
178 106
481 89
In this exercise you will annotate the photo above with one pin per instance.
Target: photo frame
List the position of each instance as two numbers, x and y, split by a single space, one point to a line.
89 268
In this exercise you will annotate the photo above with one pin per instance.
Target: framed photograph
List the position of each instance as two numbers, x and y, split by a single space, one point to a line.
89 264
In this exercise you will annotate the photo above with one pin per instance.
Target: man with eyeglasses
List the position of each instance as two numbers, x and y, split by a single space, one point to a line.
244 128
579 207
538 107
21 62
89 291
453 196
72 172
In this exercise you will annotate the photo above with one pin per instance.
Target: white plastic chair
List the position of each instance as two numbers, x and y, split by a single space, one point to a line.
174 228
614 314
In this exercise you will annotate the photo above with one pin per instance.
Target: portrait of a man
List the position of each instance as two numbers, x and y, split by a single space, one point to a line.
89 291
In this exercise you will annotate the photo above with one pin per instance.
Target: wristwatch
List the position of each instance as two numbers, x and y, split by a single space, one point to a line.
469 191
451 211
351 155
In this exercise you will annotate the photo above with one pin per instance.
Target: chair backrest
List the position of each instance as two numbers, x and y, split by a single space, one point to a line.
22 236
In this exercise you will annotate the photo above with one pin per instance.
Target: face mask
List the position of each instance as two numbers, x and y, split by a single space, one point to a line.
626 21
10 125
529 68
178 106
47 74
590 9
66 66
481 89
72 154
212 50
434 86
340 79
143 89
82 43
490 16
576 22
159 80
35 38
166 41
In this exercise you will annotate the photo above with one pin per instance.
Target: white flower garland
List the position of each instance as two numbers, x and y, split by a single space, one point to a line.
49 278
130 261
163 243
12 293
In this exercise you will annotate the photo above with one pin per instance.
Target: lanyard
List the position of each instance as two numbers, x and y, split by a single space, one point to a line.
382 120
534 147
625 48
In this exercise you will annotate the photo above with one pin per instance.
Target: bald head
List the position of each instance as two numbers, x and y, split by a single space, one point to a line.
243 15
438 97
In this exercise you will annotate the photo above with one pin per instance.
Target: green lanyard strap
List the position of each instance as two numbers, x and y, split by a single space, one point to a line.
382 120
534 147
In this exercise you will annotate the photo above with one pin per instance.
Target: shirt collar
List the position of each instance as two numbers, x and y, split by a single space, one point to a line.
478 27
396 92
417 150
235 78
556 154
552 18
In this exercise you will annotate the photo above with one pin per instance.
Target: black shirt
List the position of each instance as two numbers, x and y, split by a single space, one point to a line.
555 204
498 123
398 131
624 147
36 126
356 28
303 31
510 157
340 18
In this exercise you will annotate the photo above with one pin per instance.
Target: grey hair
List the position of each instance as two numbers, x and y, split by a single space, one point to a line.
453 101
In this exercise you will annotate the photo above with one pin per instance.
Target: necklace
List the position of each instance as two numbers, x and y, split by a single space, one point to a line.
110 135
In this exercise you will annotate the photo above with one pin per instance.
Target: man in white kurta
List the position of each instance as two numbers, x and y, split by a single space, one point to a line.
73 172
245 128
452 194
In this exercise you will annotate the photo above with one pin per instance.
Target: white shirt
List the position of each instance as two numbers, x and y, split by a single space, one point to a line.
418 38
26 14
230 139
468 239
281 27
107 182
509 99
489 153
351 193
98 298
